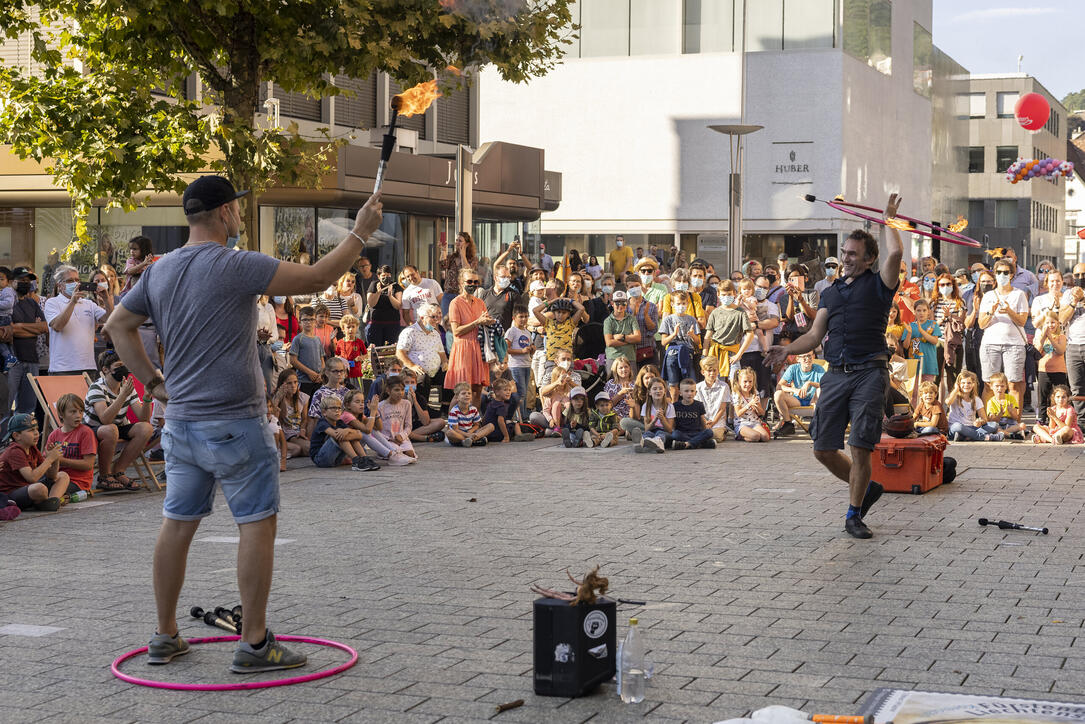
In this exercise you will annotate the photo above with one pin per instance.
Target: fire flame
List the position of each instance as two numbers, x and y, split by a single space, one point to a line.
454 70
898 224
417 99
960 225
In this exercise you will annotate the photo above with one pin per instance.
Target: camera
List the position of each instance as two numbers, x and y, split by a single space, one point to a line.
88 287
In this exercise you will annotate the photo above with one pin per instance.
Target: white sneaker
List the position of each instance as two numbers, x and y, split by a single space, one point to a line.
587 439
607 440
410 458
398 459
658 442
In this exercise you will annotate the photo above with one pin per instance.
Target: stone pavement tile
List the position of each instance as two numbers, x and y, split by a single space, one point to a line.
384 716
234 718
307 711
151 712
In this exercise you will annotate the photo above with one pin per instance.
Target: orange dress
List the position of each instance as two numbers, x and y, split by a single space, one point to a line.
465 363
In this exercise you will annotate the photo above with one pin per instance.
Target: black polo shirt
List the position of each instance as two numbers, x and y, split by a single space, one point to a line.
26 311
500 303
858 316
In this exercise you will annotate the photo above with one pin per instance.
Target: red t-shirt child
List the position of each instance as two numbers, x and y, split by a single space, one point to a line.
351 351
12 460
77 443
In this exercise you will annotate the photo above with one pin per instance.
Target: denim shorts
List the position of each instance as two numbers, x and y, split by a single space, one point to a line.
238 455
329 455
677 364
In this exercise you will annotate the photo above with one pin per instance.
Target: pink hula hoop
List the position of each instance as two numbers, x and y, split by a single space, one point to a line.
115 668
952 237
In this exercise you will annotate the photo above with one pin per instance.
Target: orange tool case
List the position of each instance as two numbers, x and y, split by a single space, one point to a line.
908 465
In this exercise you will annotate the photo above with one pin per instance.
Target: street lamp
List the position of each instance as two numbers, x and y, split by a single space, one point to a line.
734 189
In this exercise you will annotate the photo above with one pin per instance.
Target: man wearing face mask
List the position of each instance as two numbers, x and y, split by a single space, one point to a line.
202 299
27 323
1021 278
698 275
832 266
1072 315
621 259
72 319
501 297
108 401
648 269
509 258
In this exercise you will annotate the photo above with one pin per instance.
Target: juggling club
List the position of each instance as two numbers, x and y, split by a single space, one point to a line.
211 619
1006 525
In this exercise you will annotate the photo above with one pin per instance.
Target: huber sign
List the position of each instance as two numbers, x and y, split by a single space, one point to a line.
792 162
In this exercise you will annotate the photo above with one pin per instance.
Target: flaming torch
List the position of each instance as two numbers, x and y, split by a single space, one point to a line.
408 103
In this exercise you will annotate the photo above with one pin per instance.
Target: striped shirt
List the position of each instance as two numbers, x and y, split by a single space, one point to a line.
99 392
463 421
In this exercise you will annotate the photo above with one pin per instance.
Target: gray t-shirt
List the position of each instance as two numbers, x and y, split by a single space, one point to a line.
308 350
203 302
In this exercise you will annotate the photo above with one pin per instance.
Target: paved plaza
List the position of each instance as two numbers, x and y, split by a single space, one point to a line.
754 594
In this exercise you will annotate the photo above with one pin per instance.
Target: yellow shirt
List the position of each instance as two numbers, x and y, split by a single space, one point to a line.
1001 408
696 309
559 335
621 260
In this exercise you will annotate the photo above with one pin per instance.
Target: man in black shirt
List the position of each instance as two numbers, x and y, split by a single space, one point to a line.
854 312
501 297
27 323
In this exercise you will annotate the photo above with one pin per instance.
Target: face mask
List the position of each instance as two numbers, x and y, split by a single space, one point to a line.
635 292
681 286
945 289
409 388
471 286
503 282
22 288
70 287
646 279
679 308
587 285
975 276
697 283
760 293
727 300
564 364
120 373
279 300
427 326
715 286
1080 281
1003 279
232 242
830 271
102 286
928 284
620 243
608 288
986 287
771 278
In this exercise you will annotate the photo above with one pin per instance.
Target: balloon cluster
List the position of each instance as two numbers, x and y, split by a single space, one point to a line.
1024 169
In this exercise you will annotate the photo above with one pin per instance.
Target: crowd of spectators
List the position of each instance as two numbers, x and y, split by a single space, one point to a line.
646 349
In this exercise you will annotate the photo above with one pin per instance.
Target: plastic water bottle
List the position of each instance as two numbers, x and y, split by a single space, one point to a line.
631 666
76 497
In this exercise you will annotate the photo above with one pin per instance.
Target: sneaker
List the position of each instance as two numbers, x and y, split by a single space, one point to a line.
554 432
1017 436
679 445
708 444
607 440
10 512
398 459
524 437
438 436
164 648
856 528
645 446
272 657
566 438
481 442
49 505
788 428
657 443
636 436
467 441
997 436
873 493
586 439
954 437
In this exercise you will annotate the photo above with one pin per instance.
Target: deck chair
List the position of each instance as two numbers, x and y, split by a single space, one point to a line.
50 388
911 387
801 415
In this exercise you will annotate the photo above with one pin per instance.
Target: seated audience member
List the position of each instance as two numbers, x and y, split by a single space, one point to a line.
749 412
619 389
291 407
307 353
966 413
334 441
575 427
1062 422
798 387
352 349
335 373
691 429
108 400
393 368
604 422
424 427
634 426
79 445
365 420
465 426
1050 341
501 414
1002 408
28 478
930 417
657 414
395 416
715 394
558 381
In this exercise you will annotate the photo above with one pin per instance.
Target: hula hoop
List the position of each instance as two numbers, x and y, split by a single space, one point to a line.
115 668
943 234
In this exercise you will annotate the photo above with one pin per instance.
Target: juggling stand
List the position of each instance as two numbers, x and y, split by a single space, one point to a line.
248 684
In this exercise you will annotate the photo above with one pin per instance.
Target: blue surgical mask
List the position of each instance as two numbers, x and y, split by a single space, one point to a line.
607 288
715 285
928 284
279 300
681 286
1003 278
635 292
232 242
760 293
70 288
975 277
727 300
427 327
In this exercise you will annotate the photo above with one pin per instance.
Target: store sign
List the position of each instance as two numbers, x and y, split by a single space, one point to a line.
793 162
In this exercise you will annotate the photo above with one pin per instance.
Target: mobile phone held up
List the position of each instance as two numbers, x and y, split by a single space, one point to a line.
89 287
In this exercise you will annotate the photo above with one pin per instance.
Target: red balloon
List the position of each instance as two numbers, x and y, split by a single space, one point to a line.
1032 111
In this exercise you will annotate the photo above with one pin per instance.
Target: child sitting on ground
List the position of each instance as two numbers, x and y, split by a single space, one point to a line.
715 394
691 430
1062 426
1003 409
501 414
335 373
79 444
352 349
657 413
395 417
25 472
359 416
679 336
334 441
464 423
424 427
393 368
749 426
290 405
929 417
575 431
603 421
966 414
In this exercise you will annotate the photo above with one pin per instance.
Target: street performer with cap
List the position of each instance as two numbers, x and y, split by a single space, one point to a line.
202 299
851 319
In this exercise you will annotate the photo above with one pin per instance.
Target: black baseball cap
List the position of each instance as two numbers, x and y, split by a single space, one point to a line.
23 272
207 193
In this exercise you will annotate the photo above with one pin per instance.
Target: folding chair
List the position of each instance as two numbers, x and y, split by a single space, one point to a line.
50 388
801 414
910 386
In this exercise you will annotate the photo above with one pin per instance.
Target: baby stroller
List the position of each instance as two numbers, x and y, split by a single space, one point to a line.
589 347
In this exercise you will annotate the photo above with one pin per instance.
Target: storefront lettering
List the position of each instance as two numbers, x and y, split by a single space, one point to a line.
792 168
452 175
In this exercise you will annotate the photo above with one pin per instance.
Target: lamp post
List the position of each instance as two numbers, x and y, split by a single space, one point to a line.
735 132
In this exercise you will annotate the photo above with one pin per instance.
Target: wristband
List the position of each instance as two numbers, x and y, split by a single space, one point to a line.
351 232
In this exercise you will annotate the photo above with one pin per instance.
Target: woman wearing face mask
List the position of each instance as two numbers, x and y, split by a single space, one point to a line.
103 298
801 303
598 309
949 313
285 319
1051 299
927 284
465 315
680 283
385 297
1002 316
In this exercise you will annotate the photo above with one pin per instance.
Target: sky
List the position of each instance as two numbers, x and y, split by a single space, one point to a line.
986 36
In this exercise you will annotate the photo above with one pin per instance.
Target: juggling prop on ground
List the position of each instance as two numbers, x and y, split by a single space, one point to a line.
1024 169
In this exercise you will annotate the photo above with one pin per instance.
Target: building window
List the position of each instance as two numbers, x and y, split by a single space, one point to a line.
765 24
572 48
975 212
1005 103
977 105
868 32
454 116
1052 125
1006 213
604 28
654 27
358 107
922 60
292 105
708 26
809 24
1004 157
975 159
